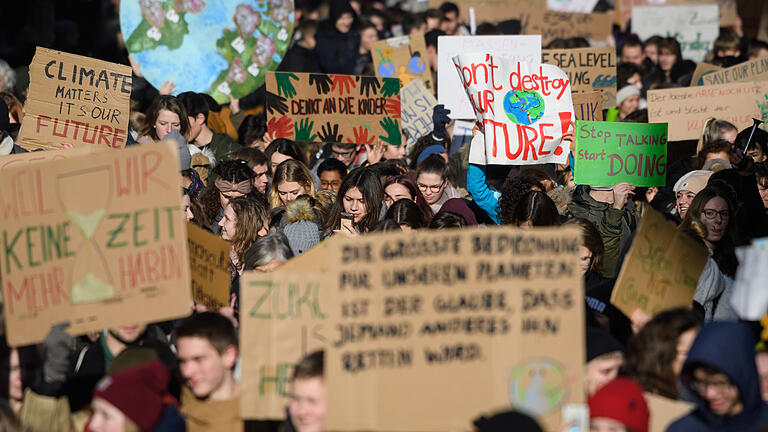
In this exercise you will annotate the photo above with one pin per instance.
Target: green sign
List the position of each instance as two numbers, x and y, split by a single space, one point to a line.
608 153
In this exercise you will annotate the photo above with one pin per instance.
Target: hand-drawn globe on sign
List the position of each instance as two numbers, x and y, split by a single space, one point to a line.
219 47
524 107
537 386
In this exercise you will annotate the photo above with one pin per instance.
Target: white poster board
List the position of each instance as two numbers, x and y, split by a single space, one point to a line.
450 91
579 6
695 27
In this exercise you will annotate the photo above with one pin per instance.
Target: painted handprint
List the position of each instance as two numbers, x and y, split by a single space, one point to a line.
392 128
391 87
343 82
393 107
276 103
322 82
281 127
330 133
361 136
284 85
304 130
367 84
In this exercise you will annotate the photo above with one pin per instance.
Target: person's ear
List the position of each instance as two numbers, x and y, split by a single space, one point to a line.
200 118
229 356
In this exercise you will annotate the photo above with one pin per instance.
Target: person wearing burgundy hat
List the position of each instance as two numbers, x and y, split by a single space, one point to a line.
619 406
135 399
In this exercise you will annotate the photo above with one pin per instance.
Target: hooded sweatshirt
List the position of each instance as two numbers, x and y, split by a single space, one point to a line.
727 347
336 51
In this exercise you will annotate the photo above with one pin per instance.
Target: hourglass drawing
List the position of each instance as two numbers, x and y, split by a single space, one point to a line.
84 196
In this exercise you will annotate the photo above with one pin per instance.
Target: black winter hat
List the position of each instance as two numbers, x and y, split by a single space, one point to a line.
338 7
600 342
507 421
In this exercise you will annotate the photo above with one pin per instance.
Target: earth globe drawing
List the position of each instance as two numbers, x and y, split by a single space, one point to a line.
524 107
537 386
219 47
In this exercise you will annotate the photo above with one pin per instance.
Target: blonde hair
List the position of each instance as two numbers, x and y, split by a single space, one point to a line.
290 170
713 129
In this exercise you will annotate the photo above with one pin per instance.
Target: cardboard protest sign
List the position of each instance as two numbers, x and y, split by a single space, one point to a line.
524 107
220 47
96 239
552 25
75 99
665 411
661 269
402 57
737 103
588 69
416 110
333 108
580 6
703 68
209 266
525 49
695 27
35 157
608 153
463 322
587 106
284 316
755 70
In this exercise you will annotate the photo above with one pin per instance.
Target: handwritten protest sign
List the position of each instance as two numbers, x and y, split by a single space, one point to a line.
727 8
664 411
34 157
402 57
588 69
284 316
525 108
703 68
209 267
96 239
755 70
737 103
580 6
75 99
661 269
333 108
587 106
608 153
695 27
525 49
463 322
416 111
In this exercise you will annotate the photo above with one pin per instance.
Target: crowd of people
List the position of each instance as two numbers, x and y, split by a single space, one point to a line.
274 198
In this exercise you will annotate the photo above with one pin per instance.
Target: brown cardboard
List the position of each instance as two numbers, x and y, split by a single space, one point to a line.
402 57
209 266
588 69
661 269
521 293
333 108
703 68
664 411
283 317
755 70
77 100
587 106
737 103
34 157
134 268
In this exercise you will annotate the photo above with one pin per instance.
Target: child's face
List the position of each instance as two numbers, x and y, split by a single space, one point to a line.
602 424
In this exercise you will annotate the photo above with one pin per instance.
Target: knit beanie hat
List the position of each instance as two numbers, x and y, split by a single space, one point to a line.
458 206
302 236
626 92
694 181
621 400
185 159
507 421
429 151
600 342
139 393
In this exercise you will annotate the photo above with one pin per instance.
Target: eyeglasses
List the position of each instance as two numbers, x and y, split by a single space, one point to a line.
719 386
712 214
345 155
330 185
432 188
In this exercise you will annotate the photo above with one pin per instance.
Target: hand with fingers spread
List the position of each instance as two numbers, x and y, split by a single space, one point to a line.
276 103
375 151
280 127
304 130
343 82
368 85
392 128
321 82
621 194
167 88
330 133
284 84
361 136
391 87
393 107
58 348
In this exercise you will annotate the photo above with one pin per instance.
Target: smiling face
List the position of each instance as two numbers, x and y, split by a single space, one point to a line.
344 23
308 404
683 201
228 223
715 217
629 105
354 204
721 394
166 122
289 191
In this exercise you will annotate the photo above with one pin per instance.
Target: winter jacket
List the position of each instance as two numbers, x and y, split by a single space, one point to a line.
299 59
337 52
615 226
713 293
484 195
729 348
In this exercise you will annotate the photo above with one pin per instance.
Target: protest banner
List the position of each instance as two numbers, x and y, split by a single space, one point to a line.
34 157
755 70
333 108
695 26
726 8
209 266
239 40
587 106
551 25
525 109
96 239
463 322
664 411
525 49
703 68
661 269
737 103
284 316
77 100
402 57
579 6
416 111
608 153
588 69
